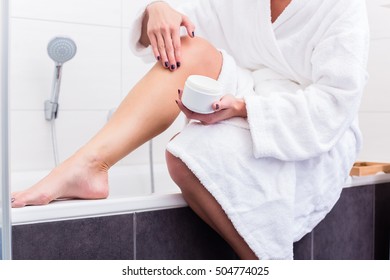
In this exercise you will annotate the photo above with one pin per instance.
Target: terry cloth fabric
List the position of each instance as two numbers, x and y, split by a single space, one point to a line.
278 173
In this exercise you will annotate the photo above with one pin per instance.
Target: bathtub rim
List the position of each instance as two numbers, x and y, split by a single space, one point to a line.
118 205
59 210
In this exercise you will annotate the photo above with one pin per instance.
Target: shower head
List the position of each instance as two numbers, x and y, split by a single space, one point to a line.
61 49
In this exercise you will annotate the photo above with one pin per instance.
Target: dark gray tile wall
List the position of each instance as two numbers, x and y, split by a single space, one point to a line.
104 238
382 222
347 232
178 234
303 248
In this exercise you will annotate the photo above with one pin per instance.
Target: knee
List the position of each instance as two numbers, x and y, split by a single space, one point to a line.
177 169
198 53
197 45
173 164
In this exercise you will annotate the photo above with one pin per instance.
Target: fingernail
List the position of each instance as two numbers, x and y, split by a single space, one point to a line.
13 200
178 64
158 58
173 67
193 34
166 64
217 106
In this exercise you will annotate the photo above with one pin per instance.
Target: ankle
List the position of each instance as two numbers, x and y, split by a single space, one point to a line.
93 160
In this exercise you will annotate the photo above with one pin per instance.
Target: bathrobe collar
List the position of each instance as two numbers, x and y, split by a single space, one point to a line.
276 59
288 12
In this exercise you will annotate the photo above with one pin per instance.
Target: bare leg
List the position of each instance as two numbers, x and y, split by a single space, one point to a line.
147 111
205 205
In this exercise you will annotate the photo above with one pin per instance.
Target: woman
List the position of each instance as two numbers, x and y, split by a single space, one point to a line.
270 162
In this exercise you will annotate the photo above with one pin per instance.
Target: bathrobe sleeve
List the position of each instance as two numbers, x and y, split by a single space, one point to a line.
201 12
135 34
303 124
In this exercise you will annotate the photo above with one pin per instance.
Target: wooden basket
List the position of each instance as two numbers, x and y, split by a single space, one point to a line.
369 168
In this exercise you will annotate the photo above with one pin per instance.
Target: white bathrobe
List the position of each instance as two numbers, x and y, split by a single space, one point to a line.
278 173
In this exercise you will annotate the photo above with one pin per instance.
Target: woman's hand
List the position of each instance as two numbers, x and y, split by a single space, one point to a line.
161 29
227 107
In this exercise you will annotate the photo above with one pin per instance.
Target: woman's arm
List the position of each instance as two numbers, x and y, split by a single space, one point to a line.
161 29
199 14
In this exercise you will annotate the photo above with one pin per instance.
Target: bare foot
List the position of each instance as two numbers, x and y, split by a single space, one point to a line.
78 177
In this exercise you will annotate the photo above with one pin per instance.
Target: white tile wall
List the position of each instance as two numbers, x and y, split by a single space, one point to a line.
375 109
99 12
377 93
91 80
2 64
376 133
104 70
30 141
378 15
132 8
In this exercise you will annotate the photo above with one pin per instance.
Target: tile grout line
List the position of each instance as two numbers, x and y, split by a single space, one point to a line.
312 245
135 236
67 22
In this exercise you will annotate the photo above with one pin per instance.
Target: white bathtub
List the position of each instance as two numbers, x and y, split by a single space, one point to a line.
130 191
